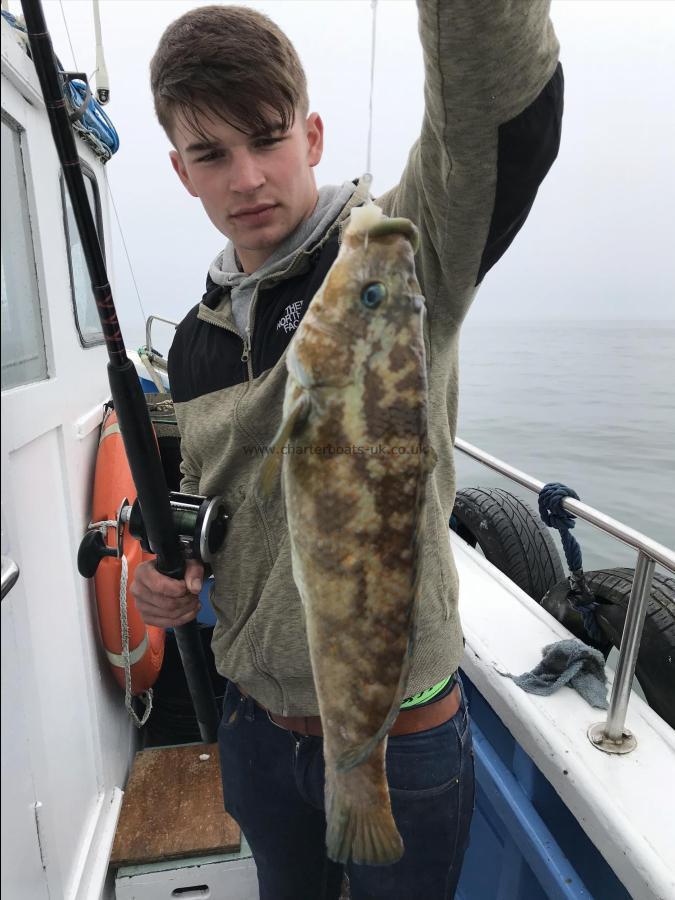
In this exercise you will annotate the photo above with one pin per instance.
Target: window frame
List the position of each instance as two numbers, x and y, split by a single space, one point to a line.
87 172
35 260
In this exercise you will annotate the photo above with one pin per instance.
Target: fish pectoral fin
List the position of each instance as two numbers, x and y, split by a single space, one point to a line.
430 459
290 427
297 370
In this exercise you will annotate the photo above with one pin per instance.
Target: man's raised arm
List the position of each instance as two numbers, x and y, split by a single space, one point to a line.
493 107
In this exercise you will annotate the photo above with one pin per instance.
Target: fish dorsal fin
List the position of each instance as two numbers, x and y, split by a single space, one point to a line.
291 426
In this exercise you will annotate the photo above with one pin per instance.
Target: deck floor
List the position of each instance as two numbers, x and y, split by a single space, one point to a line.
173 807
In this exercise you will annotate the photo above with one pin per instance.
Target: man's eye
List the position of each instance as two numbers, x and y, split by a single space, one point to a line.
268 142
208 157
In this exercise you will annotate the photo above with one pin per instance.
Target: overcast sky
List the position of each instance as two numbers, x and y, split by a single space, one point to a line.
599 242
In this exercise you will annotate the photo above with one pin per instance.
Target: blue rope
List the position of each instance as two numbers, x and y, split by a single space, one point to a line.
555 516
579 595
12 20
93 119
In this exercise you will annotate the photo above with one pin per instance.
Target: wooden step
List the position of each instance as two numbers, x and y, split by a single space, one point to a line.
173 807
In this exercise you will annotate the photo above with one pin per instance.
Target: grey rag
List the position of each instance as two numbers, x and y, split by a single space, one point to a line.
568 662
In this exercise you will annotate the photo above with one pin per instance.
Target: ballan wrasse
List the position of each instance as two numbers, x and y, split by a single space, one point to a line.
355 460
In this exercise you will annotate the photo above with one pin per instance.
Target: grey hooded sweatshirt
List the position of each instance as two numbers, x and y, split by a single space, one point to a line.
490 131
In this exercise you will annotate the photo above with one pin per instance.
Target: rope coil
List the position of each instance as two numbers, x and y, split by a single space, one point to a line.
145 696
579 596
92 124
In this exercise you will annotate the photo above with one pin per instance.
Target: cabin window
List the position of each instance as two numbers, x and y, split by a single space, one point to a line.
24 358
84 305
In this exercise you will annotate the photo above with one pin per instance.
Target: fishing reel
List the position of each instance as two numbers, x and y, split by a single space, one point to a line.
201 523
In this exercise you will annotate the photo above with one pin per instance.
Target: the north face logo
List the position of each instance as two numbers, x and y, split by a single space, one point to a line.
291 317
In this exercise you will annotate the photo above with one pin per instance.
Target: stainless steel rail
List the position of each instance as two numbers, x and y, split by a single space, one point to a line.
611 735
155 360
10 575
148 330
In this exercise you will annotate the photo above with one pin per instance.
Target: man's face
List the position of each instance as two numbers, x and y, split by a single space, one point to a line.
255 189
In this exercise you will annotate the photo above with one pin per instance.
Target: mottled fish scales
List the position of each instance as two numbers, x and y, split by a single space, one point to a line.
354 474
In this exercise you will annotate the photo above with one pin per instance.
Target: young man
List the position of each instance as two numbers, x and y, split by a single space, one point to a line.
231 94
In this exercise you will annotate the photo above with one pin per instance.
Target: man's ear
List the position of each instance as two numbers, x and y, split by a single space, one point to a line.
314 139
181 171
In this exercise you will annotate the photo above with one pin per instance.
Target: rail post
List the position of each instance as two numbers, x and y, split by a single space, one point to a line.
611 735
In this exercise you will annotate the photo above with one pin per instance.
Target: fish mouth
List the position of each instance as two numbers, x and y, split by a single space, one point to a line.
400 226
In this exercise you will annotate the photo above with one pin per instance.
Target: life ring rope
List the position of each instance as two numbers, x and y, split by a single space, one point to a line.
127 658
146 696
133 649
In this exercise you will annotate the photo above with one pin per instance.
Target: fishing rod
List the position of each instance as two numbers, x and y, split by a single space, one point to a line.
158 522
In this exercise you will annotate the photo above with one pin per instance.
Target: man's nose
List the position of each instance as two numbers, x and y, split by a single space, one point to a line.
247 176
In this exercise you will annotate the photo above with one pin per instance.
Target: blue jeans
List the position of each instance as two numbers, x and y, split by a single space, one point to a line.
273 784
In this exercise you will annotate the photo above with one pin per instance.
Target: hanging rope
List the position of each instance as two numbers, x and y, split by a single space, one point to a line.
102 525
579 596
145 696
152 372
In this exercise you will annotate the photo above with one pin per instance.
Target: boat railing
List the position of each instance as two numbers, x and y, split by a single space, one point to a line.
611 736
156 359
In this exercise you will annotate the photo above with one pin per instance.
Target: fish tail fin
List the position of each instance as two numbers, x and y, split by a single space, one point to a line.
361 831
296 417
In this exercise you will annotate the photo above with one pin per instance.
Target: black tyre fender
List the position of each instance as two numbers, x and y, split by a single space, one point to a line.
511 536
655 668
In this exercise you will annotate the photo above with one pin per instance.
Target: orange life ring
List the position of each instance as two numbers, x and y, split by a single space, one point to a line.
112 484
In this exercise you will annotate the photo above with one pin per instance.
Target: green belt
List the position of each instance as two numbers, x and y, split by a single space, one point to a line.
429 694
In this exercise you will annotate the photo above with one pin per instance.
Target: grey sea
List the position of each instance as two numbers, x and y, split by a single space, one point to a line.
589 404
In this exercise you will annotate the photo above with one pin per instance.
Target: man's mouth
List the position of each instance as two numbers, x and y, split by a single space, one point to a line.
254 214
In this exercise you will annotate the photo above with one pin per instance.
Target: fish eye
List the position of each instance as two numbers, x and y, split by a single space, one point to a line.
373 294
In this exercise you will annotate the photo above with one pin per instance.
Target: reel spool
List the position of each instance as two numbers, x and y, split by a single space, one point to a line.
200 522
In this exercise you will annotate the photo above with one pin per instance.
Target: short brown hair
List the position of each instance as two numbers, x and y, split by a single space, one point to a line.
229 63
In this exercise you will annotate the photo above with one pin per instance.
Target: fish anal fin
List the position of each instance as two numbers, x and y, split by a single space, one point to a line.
356 755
